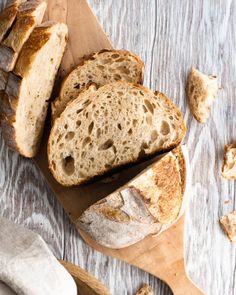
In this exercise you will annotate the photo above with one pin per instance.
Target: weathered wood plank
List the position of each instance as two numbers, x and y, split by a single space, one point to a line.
170 36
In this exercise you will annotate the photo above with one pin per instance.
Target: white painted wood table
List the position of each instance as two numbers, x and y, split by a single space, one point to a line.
170 36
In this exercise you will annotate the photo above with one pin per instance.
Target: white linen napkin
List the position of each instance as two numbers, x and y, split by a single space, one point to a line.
27 265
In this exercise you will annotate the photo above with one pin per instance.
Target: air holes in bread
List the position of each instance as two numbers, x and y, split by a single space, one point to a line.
68 165
106 145
149 106
154 135
86 141
69 135
115 56
130 131
149 120
117 77
78 123
124 70
90 128
119 126
165 128
135 122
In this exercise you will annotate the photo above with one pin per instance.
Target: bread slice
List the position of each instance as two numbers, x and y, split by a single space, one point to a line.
118 124
145 290
29 15
228 223
101 68
29 88
201 93
7 17
148 204
229 166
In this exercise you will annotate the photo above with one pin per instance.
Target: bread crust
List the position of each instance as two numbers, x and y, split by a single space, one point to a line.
86 59
7 17
26 20
120 225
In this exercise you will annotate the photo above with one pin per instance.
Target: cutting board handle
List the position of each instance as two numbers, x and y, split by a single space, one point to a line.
179 281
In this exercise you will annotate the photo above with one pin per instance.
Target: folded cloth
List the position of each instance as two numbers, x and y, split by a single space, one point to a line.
28 267
5 290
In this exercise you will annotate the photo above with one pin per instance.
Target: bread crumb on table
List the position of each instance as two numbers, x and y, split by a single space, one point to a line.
145 290
229 166
228 223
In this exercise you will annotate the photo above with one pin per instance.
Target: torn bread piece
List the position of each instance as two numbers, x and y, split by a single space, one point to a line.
145 290
201 93
29 88
228 223
7 16
148 204
29 15
101 68
229 166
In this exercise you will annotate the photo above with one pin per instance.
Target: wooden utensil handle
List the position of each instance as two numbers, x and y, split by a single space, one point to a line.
179 281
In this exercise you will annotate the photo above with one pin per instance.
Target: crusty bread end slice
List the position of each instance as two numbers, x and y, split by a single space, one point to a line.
148 204
7 17
29 88
101 68
29 15
201 93
118 124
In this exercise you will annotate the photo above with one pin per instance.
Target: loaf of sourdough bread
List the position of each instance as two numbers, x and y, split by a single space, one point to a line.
118 124
29 88
101 68
148 204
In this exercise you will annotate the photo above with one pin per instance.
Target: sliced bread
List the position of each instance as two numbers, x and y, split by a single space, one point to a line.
29 15
201 93
29 87
118 124
148 204
101 68
7 16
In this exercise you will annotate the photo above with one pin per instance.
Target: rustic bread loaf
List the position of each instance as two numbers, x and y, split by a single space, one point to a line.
29 87
118 124
146 205
201 93
7 16
101 68
229 166
228 223
29 15
145 290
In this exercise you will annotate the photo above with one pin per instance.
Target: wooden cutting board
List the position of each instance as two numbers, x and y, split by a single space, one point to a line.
162 256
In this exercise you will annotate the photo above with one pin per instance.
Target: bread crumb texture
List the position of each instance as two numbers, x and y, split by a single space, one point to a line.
229 166
201 93
228 223
118 124
101 68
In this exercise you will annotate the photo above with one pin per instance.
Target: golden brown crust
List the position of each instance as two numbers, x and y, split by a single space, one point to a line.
8 113
37 40
7 17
